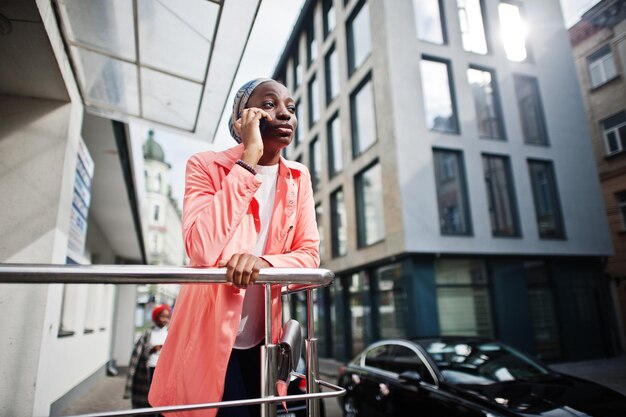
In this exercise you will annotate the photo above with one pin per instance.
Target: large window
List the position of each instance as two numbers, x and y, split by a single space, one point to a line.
338 223
621 207
614 132
358 290
463 297
314 101
335 154
438 95
359 36
545 194
315 162
331 64
390 300
363 117
330 18
513 31
487 102
472 28
369 202
501 196
454 216
296 134
296 67
311 44
601 66
530 110
429 21
319 218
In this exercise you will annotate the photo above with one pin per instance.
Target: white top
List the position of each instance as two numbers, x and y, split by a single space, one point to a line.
157 338
252 327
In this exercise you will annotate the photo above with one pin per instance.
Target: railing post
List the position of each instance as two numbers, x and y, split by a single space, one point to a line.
312 363
269 353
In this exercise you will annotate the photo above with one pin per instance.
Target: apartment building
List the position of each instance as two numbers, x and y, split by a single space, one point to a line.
599 47
455 184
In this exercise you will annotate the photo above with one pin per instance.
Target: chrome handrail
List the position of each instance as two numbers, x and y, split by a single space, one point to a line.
296 278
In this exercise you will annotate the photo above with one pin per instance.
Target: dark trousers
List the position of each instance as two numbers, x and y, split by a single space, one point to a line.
243 381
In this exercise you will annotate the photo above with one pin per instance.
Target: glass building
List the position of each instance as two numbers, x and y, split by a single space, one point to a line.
455 186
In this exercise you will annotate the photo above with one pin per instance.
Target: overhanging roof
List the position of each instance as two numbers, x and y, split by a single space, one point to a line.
169 63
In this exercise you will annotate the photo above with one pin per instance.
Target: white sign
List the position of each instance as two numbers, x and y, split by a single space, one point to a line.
80 205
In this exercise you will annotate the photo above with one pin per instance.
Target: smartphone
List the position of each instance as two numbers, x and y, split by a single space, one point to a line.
263 125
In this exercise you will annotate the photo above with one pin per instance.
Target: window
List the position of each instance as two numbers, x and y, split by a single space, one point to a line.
614 132
296 134
330 18
390 299
454 216
378 357
513 31
315 162
500 196
545 194
438 96
488 113
471 24
621 207
405 359
359 37
338 223
601 66
360 316
429 21
155 212
463 297
363 117
314 102
369 202
297 67
335 154
311 45
331 64
319 216
530 110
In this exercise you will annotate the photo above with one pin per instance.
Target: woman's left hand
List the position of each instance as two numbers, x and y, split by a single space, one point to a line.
242 269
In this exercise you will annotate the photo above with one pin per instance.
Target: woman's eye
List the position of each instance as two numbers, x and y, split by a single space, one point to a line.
291 109
268 104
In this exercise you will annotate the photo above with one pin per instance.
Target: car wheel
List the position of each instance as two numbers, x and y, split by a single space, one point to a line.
350 408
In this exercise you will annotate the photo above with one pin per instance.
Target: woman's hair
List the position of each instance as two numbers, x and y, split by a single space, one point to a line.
240 102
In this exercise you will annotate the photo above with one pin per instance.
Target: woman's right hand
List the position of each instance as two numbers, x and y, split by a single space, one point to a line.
248 129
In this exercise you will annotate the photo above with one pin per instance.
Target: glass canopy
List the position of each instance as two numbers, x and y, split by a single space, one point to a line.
146 59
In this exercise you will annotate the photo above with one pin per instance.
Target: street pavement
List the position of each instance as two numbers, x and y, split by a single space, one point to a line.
107 393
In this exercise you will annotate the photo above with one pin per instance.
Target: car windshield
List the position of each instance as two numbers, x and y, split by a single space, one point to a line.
481 362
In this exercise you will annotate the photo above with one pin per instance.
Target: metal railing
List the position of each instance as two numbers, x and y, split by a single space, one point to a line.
297 279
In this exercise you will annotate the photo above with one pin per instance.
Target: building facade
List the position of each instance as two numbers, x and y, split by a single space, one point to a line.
599 47
455 186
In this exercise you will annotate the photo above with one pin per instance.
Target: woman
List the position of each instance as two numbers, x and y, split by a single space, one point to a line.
145 357
245 208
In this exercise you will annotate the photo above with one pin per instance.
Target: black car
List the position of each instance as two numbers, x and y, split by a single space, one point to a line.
465 376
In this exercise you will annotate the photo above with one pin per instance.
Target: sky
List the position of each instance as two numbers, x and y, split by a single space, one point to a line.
265 45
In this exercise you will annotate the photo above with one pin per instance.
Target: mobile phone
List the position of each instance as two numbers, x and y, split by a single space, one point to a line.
263 125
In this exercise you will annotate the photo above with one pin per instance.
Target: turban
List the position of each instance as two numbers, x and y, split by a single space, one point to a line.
158 310
240 102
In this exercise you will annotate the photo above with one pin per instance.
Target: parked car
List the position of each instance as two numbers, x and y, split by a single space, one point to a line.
465 376
297 386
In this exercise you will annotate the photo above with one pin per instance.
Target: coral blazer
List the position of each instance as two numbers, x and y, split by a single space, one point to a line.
221 218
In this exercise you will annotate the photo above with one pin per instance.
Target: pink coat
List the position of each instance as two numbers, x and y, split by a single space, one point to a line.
220 218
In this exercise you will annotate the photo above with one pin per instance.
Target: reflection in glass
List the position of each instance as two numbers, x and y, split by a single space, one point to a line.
359 310
501 197
472 28
314 101
438 101
359 37
513 31
530 110
428 20
363 118
454 217
335 154
338 223
370 214
545 194
390 299
463 297
315 163
487 103
331 62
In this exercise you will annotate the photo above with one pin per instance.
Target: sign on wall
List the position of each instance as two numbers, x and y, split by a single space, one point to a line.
80 205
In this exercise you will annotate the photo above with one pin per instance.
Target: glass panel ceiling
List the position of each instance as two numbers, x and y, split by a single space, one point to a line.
174 40
176 36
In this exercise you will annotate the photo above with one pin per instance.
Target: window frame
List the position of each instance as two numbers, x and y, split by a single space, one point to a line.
620 197
332 52
327 6
497 104
485 29
455 119
442 23
614 127
463 189
533 82
315 159
336 223
360 207
356 135
352 67
560 233
331 141
312 93
599 57
509 192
